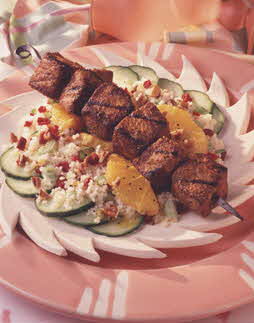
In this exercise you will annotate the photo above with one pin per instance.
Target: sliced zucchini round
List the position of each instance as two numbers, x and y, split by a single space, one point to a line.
22 188
145 72
118 227
173 87
50 207
84 219
124 77
10 167
219 117
201 100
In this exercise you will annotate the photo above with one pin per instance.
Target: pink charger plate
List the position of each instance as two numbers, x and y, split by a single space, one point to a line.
190 283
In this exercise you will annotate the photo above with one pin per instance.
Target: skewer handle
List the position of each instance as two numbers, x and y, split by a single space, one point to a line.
26 51
224 204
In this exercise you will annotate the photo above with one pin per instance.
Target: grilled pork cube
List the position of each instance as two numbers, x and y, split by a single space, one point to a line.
104 75
108 105
158 161
139 130
198 183
52 75
77 92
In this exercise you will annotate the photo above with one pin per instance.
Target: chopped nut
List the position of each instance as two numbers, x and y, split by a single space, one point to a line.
156 91
13 137
110 210
44 195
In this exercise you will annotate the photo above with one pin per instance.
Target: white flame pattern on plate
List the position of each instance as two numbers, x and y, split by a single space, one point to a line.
58 237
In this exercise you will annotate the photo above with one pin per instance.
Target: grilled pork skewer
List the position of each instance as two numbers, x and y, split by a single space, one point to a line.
108 105
61 79
158 162
201 184
139 130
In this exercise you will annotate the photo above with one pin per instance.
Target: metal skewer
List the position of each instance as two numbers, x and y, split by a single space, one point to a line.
221 202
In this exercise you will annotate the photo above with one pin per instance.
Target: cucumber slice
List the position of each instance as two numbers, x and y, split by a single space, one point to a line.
146 73
84 219
113 68
201 110
119 227
22 188
10 167
49 147
51 207
124 77
202 100
173 87
219 117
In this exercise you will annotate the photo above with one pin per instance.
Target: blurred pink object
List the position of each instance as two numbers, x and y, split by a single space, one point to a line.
131 20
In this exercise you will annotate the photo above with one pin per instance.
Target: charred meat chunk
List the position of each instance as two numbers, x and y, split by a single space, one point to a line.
52 75
158 162
139 130
104 75
199 183
108 105
78 91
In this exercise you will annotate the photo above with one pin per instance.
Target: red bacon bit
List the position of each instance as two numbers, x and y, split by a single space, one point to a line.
86 183
28 123
134 89
92 159
60 182
110 210
13 137
65 166
147 84
31 114
42 109
75 158
22 160
196 114
37 170
43 139
21 145
54 131
208 132
36 181
212 156
44 195
223 155
186 97
43 121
